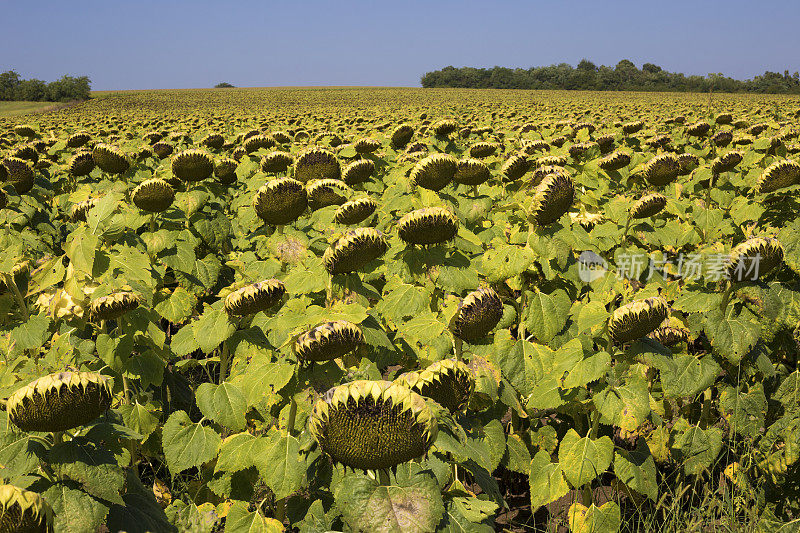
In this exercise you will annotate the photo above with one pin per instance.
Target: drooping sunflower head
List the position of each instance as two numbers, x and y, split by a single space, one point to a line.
60 401
110 159
325 192
213 141
448 382
698 129
482 149
661 170
470 171
515 167
114 305
19 173
280 201
726 162
401 135
581 151
434 172
373 425
671 333
723 138
27 152
256 142
429 225
724 118
225 170
255 297
687 163
366 145
606 143
81 209
478 314
192 165
353 250
615 161
162 149
630 128
637 319
648 205
275 162
25 130
281 137
76 140
329 340
754 258
444 127
316 163
779 175
24 511
154 195
355 211
358 171
552 198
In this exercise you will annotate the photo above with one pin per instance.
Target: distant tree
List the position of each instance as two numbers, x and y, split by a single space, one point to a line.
8 84
587 65
224 85
68 88
32 90
650 68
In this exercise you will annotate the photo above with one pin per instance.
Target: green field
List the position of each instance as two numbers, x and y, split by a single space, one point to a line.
402 310
12 109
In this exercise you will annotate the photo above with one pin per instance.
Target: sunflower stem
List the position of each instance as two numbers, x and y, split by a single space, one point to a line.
292 416
223 362
12 284
383 477
705 417
153 223
625 233
458 347
58 437
726 297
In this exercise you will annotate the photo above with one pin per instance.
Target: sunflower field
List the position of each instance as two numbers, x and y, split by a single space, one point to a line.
400 310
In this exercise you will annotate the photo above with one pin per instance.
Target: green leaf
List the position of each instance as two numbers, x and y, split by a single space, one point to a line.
583 458
412 505
141 513
241 451
31 335
604 519
187 444
403 301
19 454
697 448
637 470
240 520
547 482
211 329
591 315
505 261
80 248
138 418
731 335
282 466
424 328
176 307
74 510
93 466
547 314
223 403
517 457
626 406
687 375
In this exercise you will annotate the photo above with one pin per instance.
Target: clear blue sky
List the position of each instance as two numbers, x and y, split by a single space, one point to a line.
144 44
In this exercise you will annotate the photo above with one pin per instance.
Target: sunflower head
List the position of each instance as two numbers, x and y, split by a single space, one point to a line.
25 130
316 163
373 425
255 297
24 511
154 195
726 162
778 175
213 141
515 167
256 142
637 319
355 211
754 258
76 140
162 149
552 198
401 135
698 129
430 225
329 340
325 192
275 162
280 201
615 161
225 170
661 170
723 138
470 171
648 205
687 163
19 174
366 145
358 171
629 128
478 314
114 305
60 401
110 159
444 127
434 172
81 209
448 382
482 149
353 250
671 333
192 165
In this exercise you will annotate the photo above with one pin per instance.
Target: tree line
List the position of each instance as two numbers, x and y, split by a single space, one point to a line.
66 89
625 76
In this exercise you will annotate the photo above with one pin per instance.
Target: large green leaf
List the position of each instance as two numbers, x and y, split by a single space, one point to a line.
547 482
282 467
584 459
224 403
93 466
187 444
74 510
241 520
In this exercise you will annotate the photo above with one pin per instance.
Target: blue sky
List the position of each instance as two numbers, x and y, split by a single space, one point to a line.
144 44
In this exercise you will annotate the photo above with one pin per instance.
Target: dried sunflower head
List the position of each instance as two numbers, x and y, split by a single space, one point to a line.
24 511
444 127
225 170
434 172
726 162
401 135
329 340
81 209
76 140
430 225
325 192
192 165
671 333
213 141
353 250
661 170
754 258
471 171
255 297
358 171
60 401
698 129
482 149
275 162
280 201
114 305
256 142
110 159
154 195
355 211
478 314
648 205
366 145
630 128
19 174
373 425
687 163
552 198
637 319
515 167
448 382
25 130
316 163
779 175
615 161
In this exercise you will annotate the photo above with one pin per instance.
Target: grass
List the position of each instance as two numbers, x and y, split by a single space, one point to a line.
12 109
